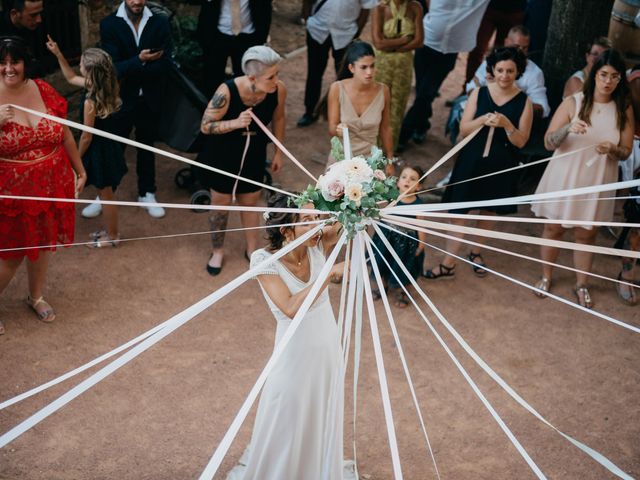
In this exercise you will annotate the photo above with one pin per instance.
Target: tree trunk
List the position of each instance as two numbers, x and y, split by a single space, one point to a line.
573 24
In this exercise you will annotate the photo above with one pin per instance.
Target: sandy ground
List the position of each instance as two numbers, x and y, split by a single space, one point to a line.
162 415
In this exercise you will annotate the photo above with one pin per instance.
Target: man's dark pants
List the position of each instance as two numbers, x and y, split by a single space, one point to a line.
431 68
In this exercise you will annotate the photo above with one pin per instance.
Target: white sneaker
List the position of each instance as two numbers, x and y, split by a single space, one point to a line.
155 212
93 209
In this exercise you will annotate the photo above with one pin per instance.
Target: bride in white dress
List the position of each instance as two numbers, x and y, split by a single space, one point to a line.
298 428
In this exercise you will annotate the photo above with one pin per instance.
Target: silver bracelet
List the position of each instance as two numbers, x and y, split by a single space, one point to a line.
509 133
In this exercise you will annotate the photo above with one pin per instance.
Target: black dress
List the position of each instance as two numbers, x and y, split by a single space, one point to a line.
225 151
104 159
502 155
406 249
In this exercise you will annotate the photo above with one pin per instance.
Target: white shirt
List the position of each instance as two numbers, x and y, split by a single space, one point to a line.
338 19
225 21
146 15
531 83
451 26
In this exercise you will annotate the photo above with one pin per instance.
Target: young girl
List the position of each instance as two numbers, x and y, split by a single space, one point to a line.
408 249
103 158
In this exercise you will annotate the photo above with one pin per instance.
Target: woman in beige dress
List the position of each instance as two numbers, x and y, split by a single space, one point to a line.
360 103
600 116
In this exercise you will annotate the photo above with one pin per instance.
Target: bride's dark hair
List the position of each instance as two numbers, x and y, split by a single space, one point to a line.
275 233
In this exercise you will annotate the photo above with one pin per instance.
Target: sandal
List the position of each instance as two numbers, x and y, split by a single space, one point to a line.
45 313
478 266
1 328
97 234
447 273
626 293
583 296
543 284
102 239
402 301
375 293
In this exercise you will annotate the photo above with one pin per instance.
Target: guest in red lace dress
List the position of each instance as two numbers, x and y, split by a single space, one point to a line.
38 158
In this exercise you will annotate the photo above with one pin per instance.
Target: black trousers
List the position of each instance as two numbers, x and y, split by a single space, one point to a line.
145 123
317 58
431 68
217 53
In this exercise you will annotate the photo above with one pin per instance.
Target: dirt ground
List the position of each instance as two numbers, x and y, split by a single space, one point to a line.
162 415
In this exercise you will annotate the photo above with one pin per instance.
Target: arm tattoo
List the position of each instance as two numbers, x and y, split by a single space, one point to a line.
556 138
219 101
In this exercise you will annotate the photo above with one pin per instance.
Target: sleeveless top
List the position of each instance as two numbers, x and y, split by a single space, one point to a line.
398 25
363 129
582 169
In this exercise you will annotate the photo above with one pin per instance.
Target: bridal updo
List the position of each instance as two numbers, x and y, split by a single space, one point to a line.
273 220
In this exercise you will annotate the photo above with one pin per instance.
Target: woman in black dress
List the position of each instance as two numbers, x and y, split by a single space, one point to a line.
227 124
508 113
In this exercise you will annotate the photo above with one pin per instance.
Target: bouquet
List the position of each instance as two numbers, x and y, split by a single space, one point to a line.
353 187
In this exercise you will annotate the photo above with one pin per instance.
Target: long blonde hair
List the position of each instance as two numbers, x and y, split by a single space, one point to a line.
101 81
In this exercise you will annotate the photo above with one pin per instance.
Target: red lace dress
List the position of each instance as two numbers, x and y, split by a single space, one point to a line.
33 162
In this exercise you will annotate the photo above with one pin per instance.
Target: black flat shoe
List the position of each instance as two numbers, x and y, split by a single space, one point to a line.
213 271
306 120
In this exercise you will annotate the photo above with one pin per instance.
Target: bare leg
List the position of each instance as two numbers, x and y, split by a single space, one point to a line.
584 260
110 213
626 292
7 272
550 254
250 219
218 221
37 273
452 245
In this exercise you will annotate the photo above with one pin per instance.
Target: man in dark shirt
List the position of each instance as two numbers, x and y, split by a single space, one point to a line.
24 20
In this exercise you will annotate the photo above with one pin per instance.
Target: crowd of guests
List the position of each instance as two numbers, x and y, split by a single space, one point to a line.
505 96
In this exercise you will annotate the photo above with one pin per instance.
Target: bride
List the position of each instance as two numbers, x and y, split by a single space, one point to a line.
298 427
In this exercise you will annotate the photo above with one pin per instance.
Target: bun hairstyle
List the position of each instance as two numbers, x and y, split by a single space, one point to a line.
502 54
275 233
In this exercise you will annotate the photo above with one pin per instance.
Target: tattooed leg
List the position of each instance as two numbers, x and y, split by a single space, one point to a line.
218 221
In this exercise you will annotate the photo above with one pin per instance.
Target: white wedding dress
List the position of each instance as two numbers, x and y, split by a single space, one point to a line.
298 428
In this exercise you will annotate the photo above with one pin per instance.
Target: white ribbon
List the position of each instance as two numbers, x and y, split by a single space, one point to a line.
172 324
396 338
604 461
514 200
469 380
382 376
142 146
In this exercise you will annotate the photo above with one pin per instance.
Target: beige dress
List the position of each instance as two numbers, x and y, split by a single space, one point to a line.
363 129
583 169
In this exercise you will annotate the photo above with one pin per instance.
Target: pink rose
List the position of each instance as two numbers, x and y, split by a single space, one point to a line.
379 174
335 189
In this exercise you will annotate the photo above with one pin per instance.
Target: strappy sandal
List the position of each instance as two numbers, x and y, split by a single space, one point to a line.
102 239
97 234
478 266
626 293
46 314
446 273
583 296
543 284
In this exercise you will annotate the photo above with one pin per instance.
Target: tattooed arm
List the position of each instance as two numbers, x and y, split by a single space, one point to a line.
561 125
212 123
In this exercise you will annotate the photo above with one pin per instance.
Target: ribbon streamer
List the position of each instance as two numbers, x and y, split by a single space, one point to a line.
175 322
469 380
601 459
382 376
396 338
142 146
